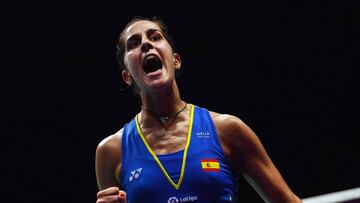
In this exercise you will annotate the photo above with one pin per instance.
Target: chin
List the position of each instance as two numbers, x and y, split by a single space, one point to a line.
161 84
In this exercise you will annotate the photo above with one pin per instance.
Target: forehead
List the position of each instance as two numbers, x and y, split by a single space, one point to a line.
140 27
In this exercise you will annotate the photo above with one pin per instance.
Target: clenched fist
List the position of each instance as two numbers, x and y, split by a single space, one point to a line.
111 195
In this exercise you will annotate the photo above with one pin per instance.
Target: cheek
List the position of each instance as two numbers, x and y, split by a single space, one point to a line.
166 48
131 61
167 54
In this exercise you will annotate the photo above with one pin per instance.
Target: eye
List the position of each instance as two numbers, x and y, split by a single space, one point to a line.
155 37
132 43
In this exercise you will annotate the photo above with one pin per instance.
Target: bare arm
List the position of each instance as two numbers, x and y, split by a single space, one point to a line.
107 168
248 155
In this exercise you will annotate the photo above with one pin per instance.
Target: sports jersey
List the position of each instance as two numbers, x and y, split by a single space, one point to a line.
198 173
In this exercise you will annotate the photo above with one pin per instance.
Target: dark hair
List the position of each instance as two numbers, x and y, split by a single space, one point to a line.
120 44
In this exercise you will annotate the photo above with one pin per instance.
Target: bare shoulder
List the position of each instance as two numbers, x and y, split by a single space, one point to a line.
235 135
111 142
226 120
229 126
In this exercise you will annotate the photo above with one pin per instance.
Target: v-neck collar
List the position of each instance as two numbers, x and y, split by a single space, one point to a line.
175 185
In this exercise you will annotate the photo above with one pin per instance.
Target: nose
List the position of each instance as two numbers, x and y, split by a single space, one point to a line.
146 46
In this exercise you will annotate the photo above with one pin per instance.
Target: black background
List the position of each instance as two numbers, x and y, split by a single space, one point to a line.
289 69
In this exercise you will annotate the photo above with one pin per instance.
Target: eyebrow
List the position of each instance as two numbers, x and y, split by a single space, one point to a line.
148 32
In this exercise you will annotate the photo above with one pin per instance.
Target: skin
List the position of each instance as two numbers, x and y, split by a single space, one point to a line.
240 144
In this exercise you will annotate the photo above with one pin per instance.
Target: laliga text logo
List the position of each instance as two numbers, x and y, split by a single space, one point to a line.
174 199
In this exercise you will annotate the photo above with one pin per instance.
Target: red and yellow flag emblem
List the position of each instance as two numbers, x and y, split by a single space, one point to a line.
210 165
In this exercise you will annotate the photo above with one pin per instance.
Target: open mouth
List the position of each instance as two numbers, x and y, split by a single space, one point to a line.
152 63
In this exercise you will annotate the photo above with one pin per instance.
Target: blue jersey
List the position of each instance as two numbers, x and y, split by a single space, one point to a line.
199 173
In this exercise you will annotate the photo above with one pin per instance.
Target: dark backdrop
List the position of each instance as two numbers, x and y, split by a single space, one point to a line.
289 69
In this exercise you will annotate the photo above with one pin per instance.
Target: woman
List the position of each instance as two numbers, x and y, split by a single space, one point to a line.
175 151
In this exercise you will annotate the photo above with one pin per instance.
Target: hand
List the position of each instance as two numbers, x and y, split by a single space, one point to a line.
111 195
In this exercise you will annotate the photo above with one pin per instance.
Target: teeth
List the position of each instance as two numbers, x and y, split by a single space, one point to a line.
150 57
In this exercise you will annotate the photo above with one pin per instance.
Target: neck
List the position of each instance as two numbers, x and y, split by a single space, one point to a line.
163 103
163 106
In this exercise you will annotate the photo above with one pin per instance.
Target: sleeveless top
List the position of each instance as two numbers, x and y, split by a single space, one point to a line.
199 173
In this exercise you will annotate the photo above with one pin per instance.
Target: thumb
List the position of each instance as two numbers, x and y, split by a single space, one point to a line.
122 196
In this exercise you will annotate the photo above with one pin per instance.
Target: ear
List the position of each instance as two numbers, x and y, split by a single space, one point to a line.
126 76
177 61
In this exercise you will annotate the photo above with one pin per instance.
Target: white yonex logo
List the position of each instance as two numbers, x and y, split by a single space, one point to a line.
135 174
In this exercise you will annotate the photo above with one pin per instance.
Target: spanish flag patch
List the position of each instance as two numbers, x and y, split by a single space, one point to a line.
210 165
